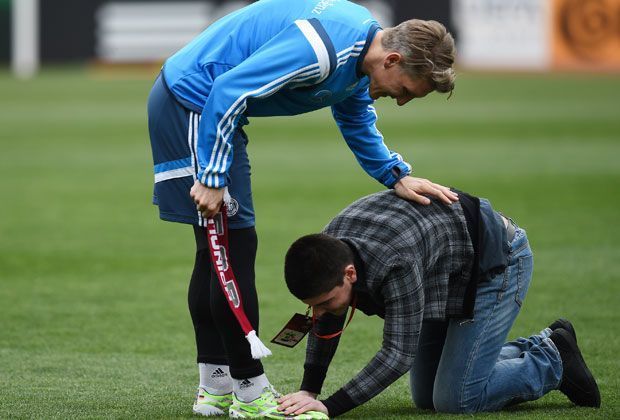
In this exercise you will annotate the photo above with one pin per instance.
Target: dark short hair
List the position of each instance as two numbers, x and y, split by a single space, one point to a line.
314 264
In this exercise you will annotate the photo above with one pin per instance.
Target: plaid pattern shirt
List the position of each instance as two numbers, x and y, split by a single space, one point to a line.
416 263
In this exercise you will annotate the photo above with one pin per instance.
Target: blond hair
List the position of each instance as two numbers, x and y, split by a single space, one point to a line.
427 49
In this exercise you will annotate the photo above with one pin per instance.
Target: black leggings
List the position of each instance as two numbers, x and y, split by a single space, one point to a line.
219 338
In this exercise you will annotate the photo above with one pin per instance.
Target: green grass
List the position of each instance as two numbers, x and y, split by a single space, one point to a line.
93 317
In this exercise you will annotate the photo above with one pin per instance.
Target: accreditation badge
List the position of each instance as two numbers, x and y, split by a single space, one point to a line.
294 331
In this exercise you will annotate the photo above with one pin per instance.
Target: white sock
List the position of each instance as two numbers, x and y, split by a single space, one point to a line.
215 379
249 389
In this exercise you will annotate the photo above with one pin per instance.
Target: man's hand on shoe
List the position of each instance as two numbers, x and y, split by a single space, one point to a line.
299 402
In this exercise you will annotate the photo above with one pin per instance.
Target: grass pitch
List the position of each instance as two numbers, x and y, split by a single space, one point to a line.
93 317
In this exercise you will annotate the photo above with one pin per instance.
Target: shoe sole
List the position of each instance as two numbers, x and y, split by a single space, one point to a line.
232 413
207 411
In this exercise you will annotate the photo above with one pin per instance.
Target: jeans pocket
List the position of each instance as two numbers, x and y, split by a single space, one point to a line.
524 275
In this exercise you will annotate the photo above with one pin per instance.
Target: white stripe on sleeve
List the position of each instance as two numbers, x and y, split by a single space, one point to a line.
317 45
224 127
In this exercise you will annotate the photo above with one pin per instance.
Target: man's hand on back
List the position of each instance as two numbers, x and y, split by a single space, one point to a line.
299 402
411 188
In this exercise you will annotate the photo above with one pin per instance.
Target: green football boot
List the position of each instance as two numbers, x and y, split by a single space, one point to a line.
212 405
266 406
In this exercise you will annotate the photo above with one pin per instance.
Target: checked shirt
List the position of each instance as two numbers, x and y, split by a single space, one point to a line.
415 262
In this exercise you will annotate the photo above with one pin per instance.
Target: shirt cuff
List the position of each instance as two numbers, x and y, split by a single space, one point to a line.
339 403
314 376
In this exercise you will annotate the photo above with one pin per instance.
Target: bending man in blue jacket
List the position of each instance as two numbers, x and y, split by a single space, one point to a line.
274 57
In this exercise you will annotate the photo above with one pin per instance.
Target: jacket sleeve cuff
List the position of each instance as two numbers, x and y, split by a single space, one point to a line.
398 171
314 376
213 181
339 403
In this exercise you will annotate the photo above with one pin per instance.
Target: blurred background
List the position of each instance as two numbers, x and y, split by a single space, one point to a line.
93 316
539 35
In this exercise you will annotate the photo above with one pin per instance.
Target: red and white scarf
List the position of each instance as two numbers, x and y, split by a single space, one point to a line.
217 232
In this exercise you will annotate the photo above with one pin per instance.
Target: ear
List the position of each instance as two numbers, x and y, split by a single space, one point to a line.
392 59
350 274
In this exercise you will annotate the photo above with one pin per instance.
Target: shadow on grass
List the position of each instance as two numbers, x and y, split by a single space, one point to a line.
405 411
379 412
532 406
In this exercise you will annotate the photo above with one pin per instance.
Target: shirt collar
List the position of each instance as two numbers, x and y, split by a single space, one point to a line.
374 28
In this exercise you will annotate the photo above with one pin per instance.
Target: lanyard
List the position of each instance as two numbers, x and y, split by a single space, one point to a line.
336 334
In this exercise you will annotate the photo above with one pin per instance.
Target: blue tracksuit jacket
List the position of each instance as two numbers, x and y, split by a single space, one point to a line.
281 57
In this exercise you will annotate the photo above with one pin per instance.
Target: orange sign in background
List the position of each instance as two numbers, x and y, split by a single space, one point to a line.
586 35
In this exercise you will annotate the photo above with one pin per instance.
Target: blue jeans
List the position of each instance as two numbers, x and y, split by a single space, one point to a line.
466 367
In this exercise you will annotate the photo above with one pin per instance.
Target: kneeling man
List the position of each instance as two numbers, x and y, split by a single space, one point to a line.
449 282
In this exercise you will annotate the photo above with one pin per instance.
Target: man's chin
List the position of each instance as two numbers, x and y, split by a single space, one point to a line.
341 311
